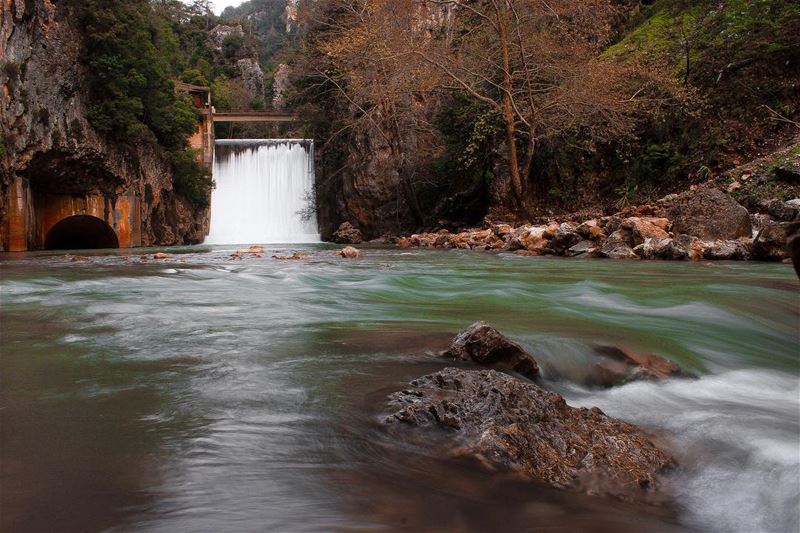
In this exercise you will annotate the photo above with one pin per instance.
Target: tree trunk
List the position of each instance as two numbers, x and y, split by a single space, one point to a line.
508 111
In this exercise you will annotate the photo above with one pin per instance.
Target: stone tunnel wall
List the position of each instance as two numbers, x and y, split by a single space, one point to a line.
30 215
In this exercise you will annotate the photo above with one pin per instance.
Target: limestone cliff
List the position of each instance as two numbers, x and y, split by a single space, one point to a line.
52 150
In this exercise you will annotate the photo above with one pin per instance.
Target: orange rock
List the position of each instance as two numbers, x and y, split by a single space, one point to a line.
642 229
349 252
160 255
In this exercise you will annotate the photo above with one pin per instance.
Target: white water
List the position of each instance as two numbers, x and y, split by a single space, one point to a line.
261 189
735 436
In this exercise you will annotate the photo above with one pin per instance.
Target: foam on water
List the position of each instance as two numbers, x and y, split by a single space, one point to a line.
262 188
736 438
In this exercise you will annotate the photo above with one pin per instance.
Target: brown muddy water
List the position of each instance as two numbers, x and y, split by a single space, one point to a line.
203 394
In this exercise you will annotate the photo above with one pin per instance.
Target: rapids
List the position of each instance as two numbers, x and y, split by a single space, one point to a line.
203 394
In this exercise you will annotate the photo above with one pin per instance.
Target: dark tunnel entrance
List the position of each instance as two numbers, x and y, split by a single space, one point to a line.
81 232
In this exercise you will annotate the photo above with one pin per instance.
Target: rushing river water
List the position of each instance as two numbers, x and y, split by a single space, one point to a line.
201 393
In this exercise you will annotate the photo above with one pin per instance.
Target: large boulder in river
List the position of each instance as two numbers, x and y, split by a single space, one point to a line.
485 345
711 215
512 425
347 234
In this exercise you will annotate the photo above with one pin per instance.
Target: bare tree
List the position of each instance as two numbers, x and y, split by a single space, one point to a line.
536 63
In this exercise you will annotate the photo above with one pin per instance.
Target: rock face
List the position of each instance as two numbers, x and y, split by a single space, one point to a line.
486 346
711 215
280 85
252 76
509 424
347 234
51 145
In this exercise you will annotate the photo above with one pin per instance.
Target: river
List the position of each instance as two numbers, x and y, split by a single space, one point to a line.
200 393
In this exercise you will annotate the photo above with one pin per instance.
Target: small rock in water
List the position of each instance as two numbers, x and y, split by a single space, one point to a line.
76 258
622 365
485 345
160 255
255 250
294 257
349 252
513 425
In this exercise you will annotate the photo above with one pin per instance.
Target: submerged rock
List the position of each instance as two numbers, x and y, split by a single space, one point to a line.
294 257
514 425
621 365
347 234
485 345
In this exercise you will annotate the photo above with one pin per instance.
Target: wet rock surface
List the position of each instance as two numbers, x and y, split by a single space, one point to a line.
485 345
513 425
621 365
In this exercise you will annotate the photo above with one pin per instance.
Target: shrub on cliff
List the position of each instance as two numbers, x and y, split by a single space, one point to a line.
132 92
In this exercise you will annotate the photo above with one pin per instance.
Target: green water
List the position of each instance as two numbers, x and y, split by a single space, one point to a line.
201 393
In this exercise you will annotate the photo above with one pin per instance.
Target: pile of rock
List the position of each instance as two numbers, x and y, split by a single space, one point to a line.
704 223
347 234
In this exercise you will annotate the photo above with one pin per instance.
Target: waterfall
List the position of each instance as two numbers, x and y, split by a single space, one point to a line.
262 190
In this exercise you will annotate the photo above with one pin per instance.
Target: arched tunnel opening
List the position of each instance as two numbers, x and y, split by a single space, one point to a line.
81 232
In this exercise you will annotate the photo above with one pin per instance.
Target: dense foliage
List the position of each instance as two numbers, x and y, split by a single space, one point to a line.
597 103
132 56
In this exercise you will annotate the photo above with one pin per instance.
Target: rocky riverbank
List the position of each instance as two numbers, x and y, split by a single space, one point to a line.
704 223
